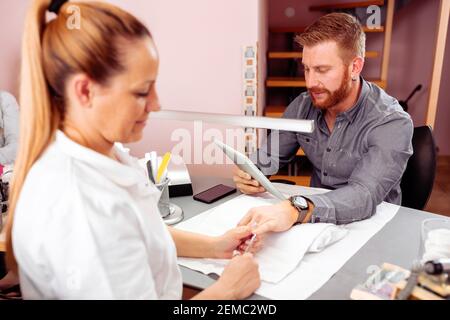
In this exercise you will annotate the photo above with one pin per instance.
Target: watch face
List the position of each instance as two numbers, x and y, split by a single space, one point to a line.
300 202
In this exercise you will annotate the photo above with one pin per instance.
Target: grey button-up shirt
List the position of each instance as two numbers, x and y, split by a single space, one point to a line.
362 160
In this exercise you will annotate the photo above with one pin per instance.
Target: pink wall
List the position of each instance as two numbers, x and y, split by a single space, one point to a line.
263 38
12 13
442 127
411 58
200 43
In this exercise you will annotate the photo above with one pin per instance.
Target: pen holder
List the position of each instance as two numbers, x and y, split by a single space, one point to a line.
163 203
171 213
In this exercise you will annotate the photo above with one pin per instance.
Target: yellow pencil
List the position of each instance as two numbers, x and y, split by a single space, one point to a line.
163 166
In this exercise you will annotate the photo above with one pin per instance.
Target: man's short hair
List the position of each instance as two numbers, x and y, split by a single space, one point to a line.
342 28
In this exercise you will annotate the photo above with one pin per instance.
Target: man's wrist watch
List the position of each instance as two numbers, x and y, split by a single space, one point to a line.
301 204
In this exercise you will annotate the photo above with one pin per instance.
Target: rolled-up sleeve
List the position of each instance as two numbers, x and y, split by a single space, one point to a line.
376 173
10 115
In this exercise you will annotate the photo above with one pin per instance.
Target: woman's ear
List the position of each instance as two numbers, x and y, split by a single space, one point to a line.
81 90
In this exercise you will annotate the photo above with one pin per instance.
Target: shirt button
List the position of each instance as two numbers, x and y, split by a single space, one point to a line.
328 149
325 174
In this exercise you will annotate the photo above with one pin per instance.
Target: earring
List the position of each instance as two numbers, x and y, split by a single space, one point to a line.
353 78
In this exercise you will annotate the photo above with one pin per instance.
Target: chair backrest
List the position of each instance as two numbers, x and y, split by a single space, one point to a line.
418 178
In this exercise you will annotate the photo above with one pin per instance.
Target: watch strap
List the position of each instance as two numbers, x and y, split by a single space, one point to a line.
301 213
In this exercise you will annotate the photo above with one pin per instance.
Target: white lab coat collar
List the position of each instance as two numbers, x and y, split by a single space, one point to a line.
125 173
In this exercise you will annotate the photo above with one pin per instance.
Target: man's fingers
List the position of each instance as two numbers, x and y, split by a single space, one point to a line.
245 178
243 174
245 188
246 219
251 219
242 231
264 227
243 181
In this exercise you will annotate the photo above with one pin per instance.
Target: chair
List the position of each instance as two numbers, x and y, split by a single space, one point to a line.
418 178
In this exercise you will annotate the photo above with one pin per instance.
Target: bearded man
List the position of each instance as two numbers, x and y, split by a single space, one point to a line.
361 143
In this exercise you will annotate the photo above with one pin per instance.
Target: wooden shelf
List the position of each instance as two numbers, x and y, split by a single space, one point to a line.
301 29
297 82
299 180
374 30
285 82
274 111
2 240
277 112
372 54
347 5
299 54
285 55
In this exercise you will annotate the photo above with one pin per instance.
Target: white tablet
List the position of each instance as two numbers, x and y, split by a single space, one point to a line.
245 164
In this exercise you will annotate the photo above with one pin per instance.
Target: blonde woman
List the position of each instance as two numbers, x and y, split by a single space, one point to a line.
84 220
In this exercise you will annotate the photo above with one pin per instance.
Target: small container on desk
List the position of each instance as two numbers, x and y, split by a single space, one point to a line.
171 213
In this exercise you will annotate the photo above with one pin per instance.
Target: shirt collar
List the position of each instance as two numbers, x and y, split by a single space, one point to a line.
125 172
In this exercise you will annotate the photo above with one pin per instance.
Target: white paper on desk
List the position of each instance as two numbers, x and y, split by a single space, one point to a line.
315 269
281 252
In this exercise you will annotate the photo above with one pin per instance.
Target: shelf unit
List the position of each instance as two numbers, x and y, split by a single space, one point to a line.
294 80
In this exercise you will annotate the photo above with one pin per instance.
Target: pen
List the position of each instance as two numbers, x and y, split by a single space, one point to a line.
154 160
164 176
150 171
162 168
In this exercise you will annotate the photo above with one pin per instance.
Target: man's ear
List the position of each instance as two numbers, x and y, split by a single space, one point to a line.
357 66
82 89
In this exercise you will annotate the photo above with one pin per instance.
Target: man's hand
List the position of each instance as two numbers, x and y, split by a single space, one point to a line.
274 218
246 184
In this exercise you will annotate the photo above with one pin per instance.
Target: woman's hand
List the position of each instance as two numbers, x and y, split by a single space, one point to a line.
240 278
238 239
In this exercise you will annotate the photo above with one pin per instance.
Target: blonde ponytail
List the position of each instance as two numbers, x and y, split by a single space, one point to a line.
37 125
51 53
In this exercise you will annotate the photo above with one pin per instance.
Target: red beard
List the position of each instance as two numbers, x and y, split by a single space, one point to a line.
331 98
